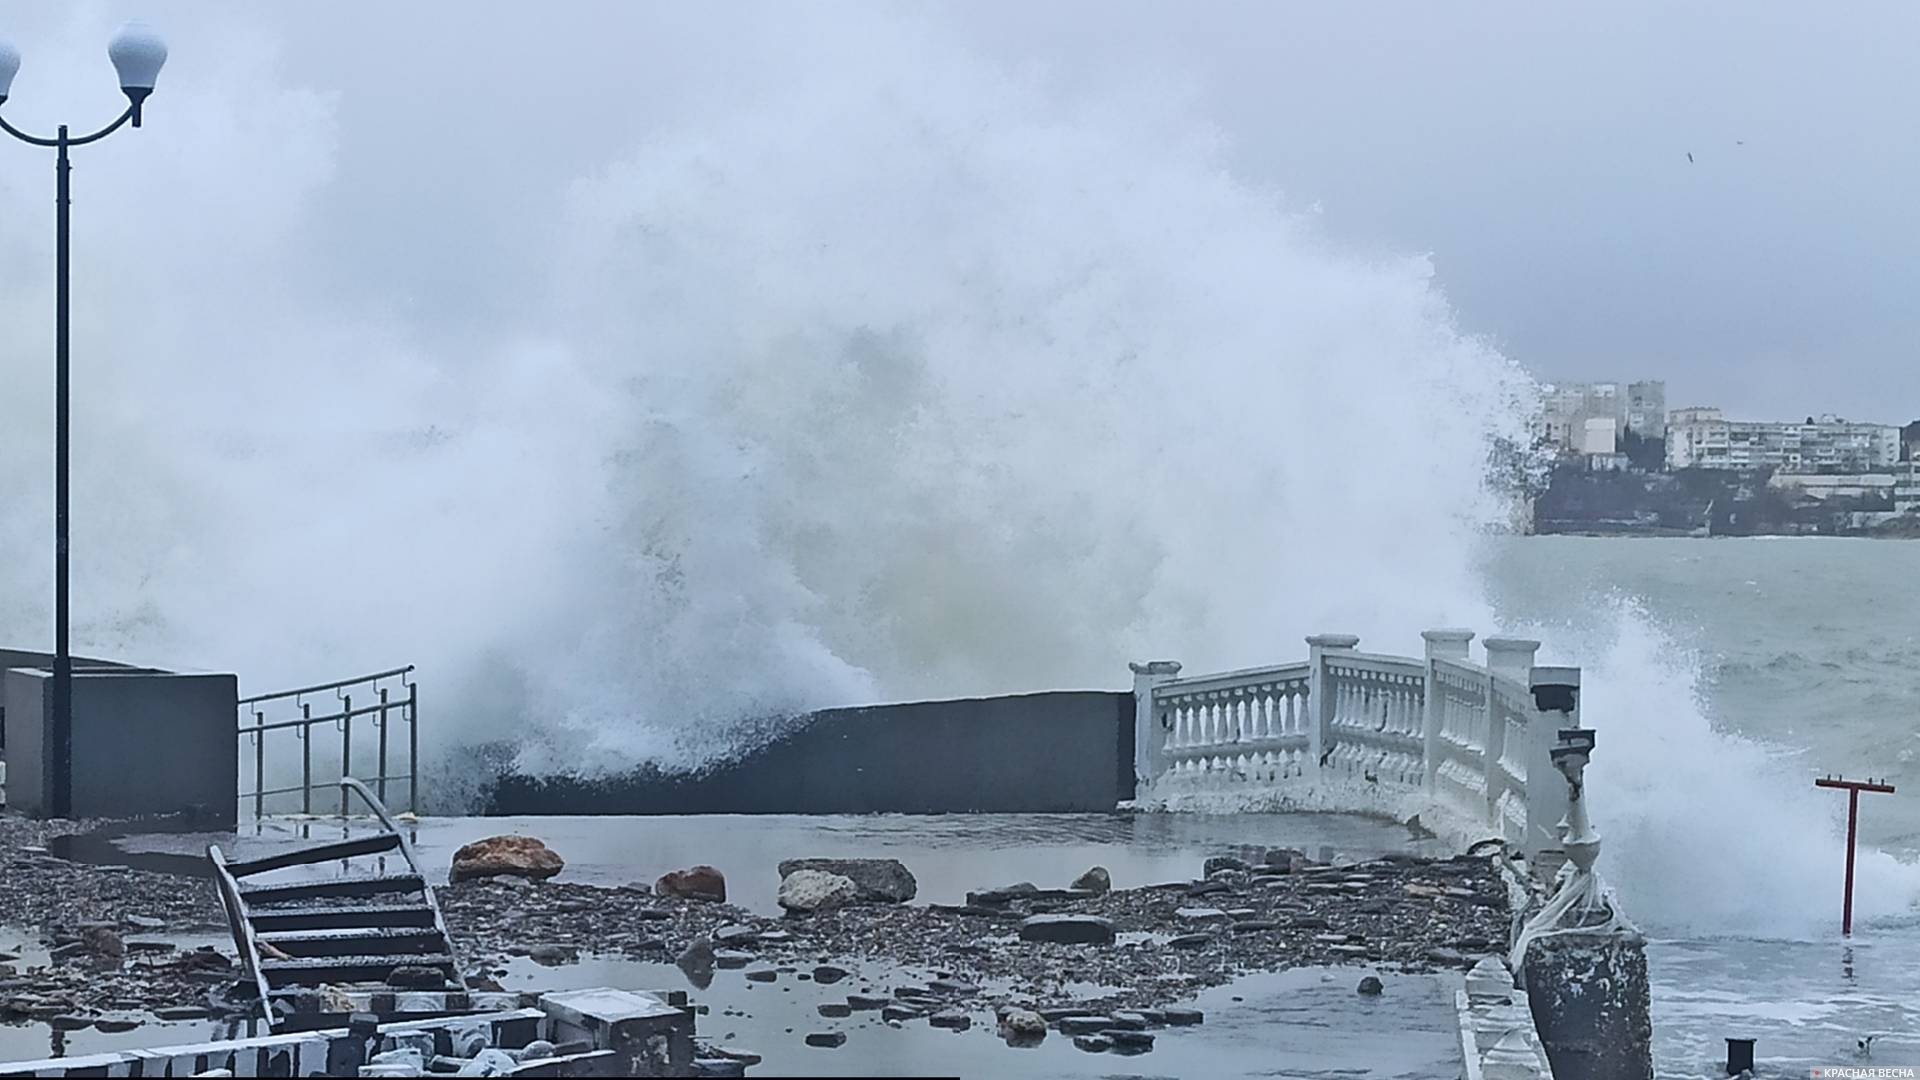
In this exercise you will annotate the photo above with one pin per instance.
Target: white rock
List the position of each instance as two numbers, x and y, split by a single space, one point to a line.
816 890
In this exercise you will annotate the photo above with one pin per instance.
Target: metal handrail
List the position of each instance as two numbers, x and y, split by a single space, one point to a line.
413 863
242 930
327 686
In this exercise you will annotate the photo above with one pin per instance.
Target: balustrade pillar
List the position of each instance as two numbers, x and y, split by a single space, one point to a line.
1556 697
1511 659
1321 699
1441 645
1149 738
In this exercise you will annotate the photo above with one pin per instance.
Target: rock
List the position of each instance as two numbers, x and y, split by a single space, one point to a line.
1130 1021
764 975
1208 888
552 955
827 973
952 1019
696 883
1096 881
827 1039
1002 896
698 954
1189 941
735 1053
1283 858
816 890
867 1002
414 977
1449 957
505 856
1254 926
1093 1044
489 1063
718 1067
1200 914
1061 1012
181 1012
880 881
1371 986
103 941
732 958
1084 1025
1067 929
736 934
142 922
1024 1024
70 1022
112 1023
835 1009
897 1011
1178 1016
953 988
1307 922
1217 863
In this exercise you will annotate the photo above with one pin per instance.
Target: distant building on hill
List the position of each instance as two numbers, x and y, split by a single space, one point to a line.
1702 438
1572 415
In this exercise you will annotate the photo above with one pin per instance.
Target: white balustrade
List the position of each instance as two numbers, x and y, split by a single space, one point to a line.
1454 738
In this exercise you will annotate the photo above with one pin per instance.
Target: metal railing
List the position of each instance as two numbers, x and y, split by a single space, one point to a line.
266 714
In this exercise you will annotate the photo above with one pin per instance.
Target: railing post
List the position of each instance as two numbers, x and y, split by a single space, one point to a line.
346 746
1556 701
1149 739
259 766
1320 695
413 748
1511 659
1441 645
381 722
306 757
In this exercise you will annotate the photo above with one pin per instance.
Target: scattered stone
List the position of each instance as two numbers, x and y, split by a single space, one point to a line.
1208 888
827 1039
1125 1039
1084 1025
103 941
1200 914
816 890
1449 957
953 1019
764 975
732 958
736 934
735 1053
142 922
1096 881
835 1009
901 1012
827 973
1189 941
1093 1044
113 1023
537 1050
1002 896
882 881
1061 1012
1024 1024
182 1012
1130 1021
867 1002
1179 1016
553 955
1255 926
1371 986
701 882
1067 929
953 988
505 856
698 954
718 1068
69 1022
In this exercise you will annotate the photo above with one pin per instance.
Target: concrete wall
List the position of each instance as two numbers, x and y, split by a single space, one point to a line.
1059 752
144 743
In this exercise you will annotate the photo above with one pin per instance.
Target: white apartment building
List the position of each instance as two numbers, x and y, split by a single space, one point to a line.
1701 438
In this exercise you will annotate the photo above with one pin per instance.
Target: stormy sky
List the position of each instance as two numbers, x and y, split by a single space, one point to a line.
1537 153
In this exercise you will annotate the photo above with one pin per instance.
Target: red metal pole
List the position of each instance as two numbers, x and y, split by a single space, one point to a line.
1853 819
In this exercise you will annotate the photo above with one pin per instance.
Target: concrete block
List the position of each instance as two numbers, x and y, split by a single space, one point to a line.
648 1036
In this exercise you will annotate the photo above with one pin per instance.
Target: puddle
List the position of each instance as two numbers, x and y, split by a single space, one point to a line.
1303 1023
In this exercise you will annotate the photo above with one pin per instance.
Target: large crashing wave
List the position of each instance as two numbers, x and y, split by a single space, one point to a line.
912 376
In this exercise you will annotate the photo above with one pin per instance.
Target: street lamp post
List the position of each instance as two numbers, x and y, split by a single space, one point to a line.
137 54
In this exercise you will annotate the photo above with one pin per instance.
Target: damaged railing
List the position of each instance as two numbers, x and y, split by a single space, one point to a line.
386 697
1347 730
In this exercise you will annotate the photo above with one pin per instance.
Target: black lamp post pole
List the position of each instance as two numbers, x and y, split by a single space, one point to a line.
58 753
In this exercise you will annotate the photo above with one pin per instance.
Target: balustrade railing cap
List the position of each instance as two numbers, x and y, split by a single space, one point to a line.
1156 667
1333 641
1555 676
1447 634
1510 644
